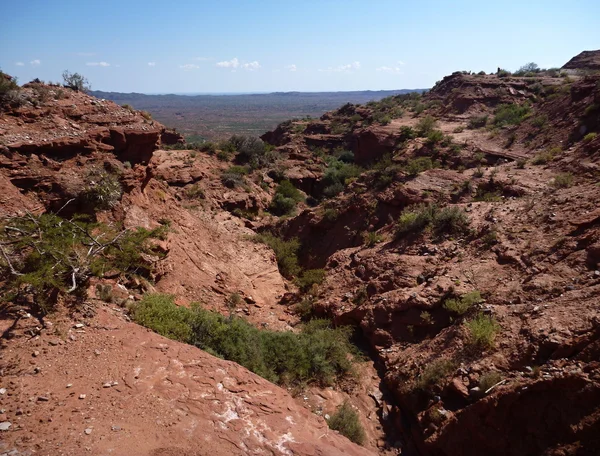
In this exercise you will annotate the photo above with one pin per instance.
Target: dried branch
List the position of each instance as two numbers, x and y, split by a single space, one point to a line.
13 271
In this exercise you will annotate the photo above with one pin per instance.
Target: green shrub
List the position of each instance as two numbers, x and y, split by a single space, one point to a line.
562 180
75 81
450 220
434 137
419 164
511 114
345 420
286 253
590 137
54 255
435 373
372 238
338 175
310 278
102 191
540 121
285 199
407 133
415 219
503 73
542 158
251 150
447 220
488 380
461 306
426 126
482 331
477 122
159 312
9 90
317 354
234 176
330 215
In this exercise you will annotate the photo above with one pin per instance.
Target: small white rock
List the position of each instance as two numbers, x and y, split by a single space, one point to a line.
88 431
5 426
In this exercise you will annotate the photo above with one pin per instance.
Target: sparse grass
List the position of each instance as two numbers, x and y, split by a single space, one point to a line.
540 121
546 156
488 380
482 331
476 122
346 421
489 239
462 305
194 191
371 238
590 137
562 180
317 354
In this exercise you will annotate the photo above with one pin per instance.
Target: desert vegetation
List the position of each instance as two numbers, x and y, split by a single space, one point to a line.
319 353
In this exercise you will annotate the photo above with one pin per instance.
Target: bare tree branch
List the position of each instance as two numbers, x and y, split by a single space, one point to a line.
12 269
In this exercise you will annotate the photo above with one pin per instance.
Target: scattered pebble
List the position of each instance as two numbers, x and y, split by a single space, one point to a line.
69 385
88 431
82 396
35 354
43 399
2 391
106 385
5 426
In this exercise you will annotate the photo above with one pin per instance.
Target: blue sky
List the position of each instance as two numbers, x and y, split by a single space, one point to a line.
256 46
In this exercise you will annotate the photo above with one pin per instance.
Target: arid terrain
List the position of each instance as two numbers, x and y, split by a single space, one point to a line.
418 275
215 117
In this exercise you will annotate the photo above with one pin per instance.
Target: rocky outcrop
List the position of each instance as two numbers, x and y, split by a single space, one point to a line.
61 124
114 387
586 60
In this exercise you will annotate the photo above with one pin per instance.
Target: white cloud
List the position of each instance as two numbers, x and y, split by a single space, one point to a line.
35 62
233 63
344 68
189 66
151 63
391 69
251 66
102 64
291 67
19 64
